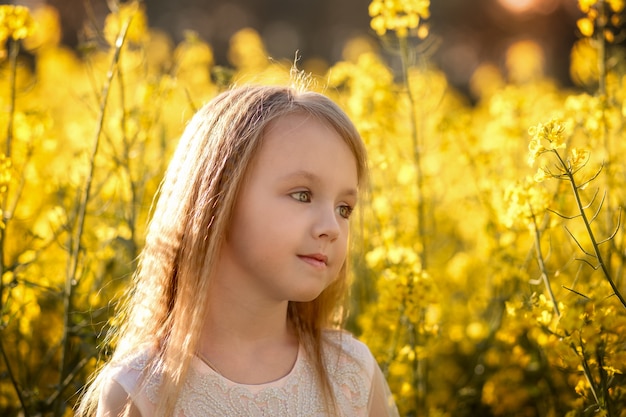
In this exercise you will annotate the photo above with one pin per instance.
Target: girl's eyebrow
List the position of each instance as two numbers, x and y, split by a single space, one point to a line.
313 178
302 174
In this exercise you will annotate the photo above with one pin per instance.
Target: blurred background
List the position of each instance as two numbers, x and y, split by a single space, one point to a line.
464 33
451 290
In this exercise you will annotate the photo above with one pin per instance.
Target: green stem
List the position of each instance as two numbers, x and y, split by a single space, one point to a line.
419 365
13 54
596 248
71 278
602 21
587 371
542 266
14 381
417 155
604 378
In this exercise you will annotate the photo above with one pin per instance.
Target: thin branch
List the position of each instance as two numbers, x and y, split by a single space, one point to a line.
594 244
73 261
14 382
595 215
577 242
576 292
542 266
417 153
13 53
595 195
617 227
584 184
587 371
563 216
592 266
67 381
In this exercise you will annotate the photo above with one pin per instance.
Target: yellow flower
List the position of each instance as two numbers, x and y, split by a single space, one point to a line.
583 62
616 5
398 15
15 23
525 61
585 25
535 148
541 175
524 202
586 5
48 32
5 172
128 12
581 386
247 51
578 158
545 137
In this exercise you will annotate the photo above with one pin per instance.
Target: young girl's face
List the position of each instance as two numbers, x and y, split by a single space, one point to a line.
289 231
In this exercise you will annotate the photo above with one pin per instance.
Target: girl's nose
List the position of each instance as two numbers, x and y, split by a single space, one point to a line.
327 224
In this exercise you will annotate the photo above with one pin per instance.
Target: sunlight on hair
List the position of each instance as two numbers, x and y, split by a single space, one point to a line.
300 79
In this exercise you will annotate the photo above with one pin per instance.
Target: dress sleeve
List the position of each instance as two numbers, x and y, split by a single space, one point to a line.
381 401
125 390
115 401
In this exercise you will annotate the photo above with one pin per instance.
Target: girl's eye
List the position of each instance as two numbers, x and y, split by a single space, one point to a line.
345 211
302 196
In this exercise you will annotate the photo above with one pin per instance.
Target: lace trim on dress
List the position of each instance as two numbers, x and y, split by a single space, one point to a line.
206 393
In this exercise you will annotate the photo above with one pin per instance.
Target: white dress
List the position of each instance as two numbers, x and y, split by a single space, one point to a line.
356 379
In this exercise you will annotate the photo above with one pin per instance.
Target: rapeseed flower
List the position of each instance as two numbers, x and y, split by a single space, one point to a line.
48 34
585 26
400 16
15 23
584 62
545 137
5 173
586 5
596 13
247 52
525 202
128 13
578 158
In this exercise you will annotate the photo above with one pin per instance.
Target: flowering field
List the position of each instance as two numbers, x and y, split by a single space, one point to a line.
489 254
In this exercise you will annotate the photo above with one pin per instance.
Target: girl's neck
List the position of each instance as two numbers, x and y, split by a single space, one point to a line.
247 343
235 322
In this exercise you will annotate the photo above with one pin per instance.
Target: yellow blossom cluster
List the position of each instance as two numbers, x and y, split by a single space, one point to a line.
399 16
545 137
5 173
126 14
16 23
594 12
526 204
550 137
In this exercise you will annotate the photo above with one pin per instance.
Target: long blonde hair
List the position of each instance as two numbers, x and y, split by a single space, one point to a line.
165 306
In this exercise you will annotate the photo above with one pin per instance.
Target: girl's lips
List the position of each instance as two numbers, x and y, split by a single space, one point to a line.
315 259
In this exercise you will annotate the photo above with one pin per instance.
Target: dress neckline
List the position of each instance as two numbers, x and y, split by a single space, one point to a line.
205 367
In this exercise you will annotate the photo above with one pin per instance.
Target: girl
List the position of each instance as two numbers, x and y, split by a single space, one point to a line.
234 304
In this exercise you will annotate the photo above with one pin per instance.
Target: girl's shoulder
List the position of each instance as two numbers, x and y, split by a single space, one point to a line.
345 341
133 373
130 366
356 377
343 352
